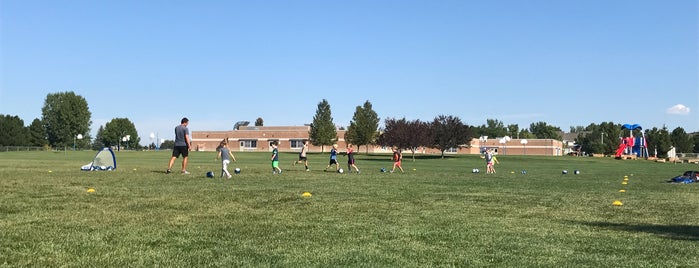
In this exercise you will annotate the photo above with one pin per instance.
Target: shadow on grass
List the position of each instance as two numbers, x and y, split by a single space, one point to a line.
406 157
676 232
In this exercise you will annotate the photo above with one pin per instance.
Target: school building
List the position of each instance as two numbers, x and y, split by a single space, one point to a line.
290 139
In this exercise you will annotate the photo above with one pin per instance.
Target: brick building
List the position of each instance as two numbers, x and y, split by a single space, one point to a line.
290 139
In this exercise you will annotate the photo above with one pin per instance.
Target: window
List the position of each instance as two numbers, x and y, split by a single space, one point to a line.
451 150
296 144
248 144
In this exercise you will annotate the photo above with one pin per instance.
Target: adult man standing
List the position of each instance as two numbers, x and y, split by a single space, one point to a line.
182 146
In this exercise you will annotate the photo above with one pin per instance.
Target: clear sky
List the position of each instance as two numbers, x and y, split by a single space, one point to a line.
566 63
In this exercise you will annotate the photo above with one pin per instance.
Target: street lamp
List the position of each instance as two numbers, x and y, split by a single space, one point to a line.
126 139
524 143
79 137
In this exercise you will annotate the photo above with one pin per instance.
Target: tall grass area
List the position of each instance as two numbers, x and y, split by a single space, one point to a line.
436 214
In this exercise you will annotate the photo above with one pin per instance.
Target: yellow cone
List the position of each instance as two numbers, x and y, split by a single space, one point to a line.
306 194
90 190
624 183
617 203
622 191
626 179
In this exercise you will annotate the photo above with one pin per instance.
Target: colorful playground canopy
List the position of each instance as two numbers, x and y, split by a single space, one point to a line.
632 127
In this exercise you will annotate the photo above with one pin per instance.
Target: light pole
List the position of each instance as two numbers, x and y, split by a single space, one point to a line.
79 137
126 139
524 143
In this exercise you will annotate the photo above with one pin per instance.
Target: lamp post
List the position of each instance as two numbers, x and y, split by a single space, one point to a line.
79 137
126 139
524 143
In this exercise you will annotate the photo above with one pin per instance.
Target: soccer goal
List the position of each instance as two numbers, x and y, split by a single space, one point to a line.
104 160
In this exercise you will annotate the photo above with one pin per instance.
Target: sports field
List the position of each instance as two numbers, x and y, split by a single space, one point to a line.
436 214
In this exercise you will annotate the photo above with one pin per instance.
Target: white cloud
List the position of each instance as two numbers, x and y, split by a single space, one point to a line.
678 109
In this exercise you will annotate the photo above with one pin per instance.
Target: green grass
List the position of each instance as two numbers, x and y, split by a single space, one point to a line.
437 215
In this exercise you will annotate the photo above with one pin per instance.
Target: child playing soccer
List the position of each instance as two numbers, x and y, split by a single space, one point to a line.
226 155
275 159
397 158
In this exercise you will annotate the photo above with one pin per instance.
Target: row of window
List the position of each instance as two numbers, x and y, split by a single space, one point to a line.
295 144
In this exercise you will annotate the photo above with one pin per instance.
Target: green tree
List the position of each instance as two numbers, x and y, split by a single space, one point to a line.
363 129
659 141
65 115
543 131
115 132
513 130
323 131
99 143
259 122
405 134
683 142
695 137
13 132
449 132
37 133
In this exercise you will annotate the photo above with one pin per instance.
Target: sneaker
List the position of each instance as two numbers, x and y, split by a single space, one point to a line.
230 176
184 172
358 172
391 171
294 164
280 172
168 171
308 170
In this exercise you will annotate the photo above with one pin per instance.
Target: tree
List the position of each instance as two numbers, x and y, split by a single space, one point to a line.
12 131
695 136
65 115
513 130
115 132
99 142
543 131
37 133
363 128
682 141
449 132
659 141
323 131
405 134
259 122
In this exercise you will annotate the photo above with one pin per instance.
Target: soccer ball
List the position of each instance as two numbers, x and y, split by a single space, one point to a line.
210 174
383 169
576 172
475 170
524 171
237 170
565 172
340 171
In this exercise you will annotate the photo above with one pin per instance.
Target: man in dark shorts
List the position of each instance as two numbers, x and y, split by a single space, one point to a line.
303 157
183 144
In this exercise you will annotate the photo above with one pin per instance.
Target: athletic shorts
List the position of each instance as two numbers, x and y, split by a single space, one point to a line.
180 150
350 161
333 161
302 158
275 164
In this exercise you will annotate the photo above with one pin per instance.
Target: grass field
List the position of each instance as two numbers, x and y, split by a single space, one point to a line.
437 214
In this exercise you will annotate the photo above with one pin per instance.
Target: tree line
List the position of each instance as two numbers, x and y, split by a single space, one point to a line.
66 121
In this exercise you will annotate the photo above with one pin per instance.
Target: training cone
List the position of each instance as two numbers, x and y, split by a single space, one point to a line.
624 183
617 203
626 179
622 191
91 190
306 194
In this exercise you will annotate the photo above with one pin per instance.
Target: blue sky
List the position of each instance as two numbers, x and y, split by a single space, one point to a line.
566 63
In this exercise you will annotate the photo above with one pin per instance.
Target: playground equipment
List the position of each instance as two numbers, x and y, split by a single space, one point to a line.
632 145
